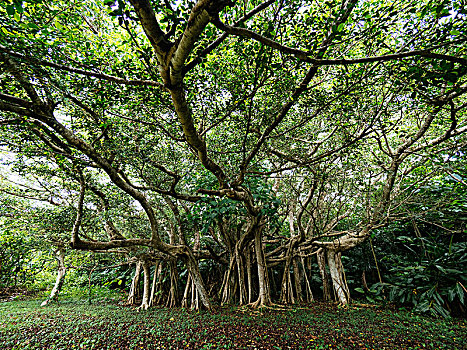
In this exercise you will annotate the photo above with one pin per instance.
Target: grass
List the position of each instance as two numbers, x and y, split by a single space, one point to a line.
77 325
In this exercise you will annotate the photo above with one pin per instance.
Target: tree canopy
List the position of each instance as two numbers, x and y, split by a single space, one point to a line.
244 133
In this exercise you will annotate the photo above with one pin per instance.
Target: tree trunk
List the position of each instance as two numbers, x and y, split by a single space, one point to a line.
194 296
309 293
193 268
321 257
337 275
297 280
134 285
154 280
146 281
61 271
248 271
187 291
241 278
264 297
173 297
286 292
229 285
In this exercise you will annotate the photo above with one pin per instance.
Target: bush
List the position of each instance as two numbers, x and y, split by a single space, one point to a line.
432 280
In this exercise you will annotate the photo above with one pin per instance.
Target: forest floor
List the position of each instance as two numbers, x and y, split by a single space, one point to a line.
107 325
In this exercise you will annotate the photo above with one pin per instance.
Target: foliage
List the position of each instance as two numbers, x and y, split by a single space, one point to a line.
188 131
425 272
24 260
433 279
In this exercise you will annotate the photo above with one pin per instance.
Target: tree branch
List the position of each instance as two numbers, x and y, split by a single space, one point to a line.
305 56
79 71
222 37
349 6
151 27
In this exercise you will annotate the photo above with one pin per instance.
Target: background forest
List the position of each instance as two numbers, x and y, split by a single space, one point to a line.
201 153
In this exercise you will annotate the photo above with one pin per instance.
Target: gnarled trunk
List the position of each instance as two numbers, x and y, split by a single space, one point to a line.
249 277
228 283
297 280
134 285
321 257
146 281
155 279
241 278
188 287
193 268
264 296
61 271
337 276
173 297
309 293
286 285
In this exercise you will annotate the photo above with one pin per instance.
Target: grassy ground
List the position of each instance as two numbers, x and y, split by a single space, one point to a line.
77 325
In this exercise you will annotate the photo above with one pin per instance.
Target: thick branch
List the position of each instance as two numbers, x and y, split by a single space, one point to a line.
222 37
184 114
151 27
198 20
306 56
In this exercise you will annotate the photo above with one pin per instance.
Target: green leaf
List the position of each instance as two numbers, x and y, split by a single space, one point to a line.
441 310
10 9
57 23
19 6
460 293
454 32
451 295
32 25
423 306
6 32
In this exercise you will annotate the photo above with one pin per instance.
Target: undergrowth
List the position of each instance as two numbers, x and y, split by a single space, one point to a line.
107 325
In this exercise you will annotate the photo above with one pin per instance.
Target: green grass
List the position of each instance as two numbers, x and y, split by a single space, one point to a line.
77 325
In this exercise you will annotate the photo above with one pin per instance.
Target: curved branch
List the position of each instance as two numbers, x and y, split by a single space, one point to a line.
151 27
79 71
305 56
349 6
222 37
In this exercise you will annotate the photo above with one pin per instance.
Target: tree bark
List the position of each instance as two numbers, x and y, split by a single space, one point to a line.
228 285
241 278
61 271
249 277
321 257
309 293
134 285
146 281
337 276
173 297
297 280
286 293
154 280
187 291
264 297
193 268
